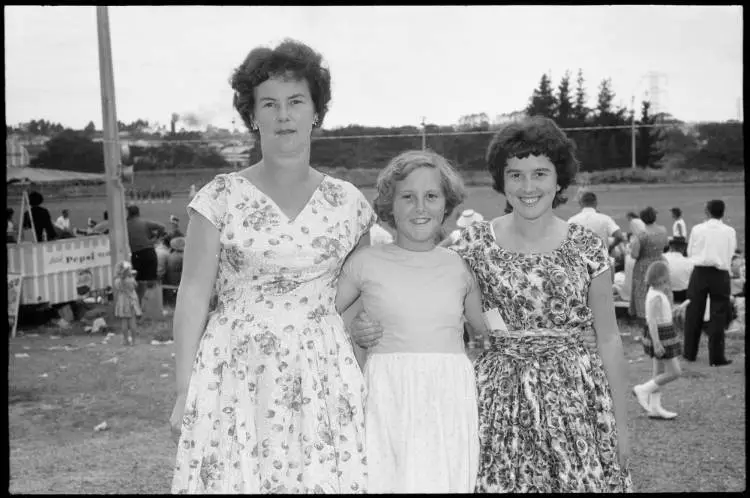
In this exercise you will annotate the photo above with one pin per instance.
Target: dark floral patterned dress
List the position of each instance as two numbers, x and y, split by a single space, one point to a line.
546 418
275 403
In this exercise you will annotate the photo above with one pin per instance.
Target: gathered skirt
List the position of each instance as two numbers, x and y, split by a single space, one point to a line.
275 405
546 418
421 423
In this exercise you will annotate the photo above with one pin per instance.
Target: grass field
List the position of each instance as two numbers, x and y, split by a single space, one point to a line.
68 384
615 200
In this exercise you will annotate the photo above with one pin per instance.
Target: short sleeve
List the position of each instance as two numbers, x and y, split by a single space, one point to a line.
211 201
365 217
594 253
354 266
464 239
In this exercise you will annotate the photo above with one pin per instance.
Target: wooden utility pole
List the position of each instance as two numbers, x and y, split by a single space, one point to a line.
632 133
424 134
118 233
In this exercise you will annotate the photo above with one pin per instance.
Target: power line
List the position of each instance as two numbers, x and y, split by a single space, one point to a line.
240 143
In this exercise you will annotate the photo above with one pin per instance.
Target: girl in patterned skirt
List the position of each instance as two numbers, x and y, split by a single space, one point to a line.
660 342
127 308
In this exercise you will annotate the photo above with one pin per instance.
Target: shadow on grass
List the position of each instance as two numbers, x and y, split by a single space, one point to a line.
57 396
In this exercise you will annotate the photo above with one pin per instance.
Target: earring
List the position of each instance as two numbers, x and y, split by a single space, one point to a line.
316 122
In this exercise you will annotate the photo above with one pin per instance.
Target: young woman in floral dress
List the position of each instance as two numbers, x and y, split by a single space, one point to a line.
269 395
552 415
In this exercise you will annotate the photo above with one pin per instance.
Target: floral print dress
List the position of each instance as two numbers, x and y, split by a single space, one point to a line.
275 402
546 419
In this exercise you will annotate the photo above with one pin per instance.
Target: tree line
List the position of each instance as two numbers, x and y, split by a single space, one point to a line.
715 146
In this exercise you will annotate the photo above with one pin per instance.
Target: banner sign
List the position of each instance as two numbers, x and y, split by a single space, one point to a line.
76 258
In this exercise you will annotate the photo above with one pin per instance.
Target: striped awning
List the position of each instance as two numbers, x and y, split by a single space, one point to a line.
16 155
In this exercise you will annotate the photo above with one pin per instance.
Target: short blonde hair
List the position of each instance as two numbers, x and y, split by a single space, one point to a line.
657 273
402 166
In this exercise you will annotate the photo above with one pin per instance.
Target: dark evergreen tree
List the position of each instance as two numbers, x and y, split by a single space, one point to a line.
543 101
648 151
580 109
564 109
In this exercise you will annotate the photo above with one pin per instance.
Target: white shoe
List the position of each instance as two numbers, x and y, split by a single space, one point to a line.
643 396
658 411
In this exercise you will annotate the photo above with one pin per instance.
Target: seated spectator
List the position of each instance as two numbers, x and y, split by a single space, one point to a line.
63 221
44 229
173 272
680 268
103 226
619 251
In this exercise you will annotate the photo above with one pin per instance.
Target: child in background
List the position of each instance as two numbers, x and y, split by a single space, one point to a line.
421 412
127 308
660 341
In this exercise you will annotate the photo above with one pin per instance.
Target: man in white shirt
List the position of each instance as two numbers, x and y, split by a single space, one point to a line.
63 221
680 269
601 224
679 228
710 248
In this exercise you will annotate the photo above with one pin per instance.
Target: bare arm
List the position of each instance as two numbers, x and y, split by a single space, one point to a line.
347 291
610 349
473 306
201 261
654 310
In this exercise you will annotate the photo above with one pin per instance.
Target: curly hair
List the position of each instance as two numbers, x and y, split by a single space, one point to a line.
401 166
290 59
648 215
535 135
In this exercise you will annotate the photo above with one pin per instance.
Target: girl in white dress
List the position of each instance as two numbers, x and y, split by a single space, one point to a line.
421 409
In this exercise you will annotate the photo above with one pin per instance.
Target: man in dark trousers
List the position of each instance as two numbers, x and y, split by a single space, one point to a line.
142 235
710 248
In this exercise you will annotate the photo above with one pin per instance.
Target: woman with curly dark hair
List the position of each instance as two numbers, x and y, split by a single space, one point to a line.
552 414
269 394
646 247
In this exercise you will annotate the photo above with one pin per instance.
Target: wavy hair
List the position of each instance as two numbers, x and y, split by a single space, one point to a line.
537 136
290 59
401 166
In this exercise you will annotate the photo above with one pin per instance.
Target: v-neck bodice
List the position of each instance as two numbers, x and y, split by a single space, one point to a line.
289 219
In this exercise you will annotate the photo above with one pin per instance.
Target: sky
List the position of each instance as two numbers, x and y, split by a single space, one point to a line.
390 65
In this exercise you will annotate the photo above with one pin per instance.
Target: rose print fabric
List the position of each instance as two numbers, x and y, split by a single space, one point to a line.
546 419
275 403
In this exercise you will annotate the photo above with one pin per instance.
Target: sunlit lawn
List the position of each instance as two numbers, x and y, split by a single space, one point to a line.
56 397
